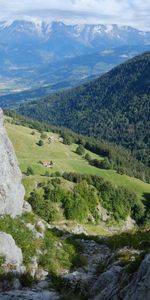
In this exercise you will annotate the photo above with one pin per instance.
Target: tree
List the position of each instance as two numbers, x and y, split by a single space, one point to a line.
67 140
88 156
29 171
33 132
80 150
40 143
43 135
46 174
105 164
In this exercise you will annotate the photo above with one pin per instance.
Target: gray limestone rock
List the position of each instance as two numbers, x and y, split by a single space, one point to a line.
26 207
83 278
29 295
11 189
107 285
11 253
139 288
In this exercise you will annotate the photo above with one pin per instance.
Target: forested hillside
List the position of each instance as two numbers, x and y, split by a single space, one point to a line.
115 107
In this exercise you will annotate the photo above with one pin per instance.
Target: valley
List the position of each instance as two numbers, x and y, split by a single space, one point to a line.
38 58
74 151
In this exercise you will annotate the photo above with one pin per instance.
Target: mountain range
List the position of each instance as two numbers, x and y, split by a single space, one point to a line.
54 55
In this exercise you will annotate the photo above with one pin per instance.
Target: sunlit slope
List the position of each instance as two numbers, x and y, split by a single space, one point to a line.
63 157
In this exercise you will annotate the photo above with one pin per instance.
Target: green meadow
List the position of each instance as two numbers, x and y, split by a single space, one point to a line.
64 158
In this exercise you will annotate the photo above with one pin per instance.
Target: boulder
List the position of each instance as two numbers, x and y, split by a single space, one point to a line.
11 189
13 259
26 207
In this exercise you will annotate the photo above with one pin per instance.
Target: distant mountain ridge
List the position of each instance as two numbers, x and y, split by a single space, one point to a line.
63 41
87 32
34 54
115 107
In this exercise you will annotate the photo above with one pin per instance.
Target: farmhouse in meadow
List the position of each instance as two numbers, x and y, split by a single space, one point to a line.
47 164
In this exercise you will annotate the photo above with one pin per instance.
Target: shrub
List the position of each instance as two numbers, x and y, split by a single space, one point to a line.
43 135
80 150
40 143
58 253
29 171
134 265
33 133
101 164
22 236
67 140
47 174
26 280
56 174
87 157
79 261
43 207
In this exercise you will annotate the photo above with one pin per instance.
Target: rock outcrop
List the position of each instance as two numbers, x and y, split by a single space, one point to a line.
11 189
107 286
83 278
13 258
139 289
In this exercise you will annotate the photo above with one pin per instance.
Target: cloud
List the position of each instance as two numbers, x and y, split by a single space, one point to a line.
129 12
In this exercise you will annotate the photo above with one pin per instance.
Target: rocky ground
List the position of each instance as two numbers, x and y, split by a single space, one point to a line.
101 278
29 295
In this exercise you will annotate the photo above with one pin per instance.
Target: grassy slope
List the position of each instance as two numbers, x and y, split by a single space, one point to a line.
63 157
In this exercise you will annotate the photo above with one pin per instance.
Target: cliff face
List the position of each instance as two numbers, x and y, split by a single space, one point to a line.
11 189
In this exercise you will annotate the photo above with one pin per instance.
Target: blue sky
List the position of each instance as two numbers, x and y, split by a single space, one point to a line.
128 12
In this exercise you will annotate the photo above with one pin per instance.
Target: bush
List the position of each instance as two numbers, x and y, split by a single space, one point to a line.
29 171
67 140
79 261
101 164
118 201
88 157
40 143
26 280
33 133
22 236
58 253
43 207
82 201
56 174
135 264
80 150
47 174
43 135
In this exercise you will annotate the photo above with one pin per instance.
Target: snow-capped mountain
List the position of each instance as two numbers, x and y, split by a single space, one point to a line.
34 43
92 36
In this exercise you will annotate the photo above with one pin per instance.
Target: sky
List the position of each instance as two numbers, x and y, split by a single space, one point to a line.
134 13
